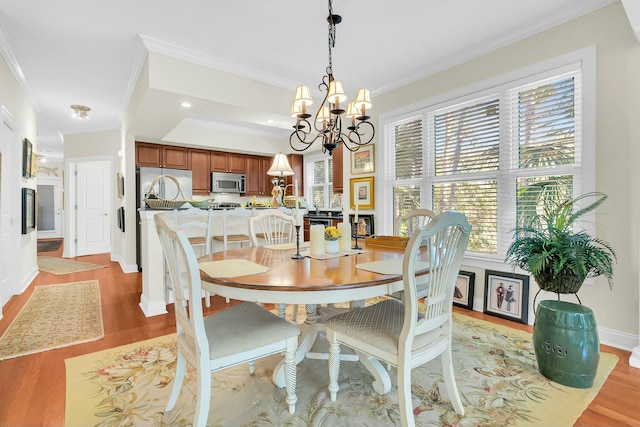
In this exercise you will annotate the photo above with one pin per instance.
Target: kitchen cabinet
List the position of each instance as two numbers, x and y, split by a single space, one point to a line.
200 172
228 162
338 173
258 183
296 161
161 156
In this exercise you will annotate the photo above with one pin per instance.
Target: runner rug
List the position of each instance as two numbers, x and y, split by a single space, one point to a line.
495 367
55 316
59 266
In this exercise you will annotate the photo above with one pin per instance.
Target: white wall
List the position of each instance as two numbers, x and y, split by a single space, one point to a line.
16 102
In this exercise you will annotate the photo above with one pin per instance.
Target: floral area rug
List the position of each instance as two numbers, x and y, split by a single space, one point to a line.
55 316
495 370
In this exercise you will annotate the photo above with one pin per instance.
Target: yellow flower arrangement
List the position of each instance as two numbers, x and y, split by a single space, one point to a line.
331 233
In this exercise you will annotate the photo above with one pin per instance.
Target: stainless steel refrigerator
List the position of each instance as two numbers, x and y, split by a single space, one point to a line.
165 188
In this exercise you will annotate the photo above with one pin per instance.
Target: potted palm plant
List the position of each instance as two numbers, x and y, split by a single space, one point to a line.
565 336
559 257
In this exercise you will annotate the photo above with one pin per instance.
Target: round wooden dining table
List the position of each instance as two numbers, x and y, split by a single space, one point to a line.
310 282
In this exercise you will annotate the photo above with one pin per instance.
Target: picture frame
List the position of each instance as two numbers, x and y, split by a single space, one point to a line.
464 290
363 160
29 204
120 184
362 191
365 225
506 295
34 164
27 153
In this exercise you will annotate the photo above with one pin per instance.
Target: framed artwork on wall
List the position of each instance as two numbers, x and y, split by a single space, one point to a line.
506 295
34 164
362 161
463 292
120 184
362 193
28 210
27 153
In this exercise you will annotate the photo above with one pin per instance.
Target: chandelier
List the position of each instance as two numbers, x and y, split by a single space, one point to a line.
80 111
327 122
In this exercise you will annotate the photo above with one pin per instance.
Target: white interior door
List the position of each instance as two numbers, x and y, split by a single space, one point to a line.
49 208
93 207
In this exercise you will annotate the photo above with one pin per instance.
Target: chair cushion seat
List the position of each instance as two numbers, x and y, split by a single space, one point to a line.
379 325
245 327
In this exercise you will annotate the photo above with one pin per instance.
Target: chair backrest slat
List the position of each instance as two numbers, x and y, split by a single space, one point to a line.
408 223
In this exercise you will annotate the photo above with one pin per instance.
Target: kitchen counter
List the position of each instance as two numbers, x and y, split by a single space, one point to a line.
154 300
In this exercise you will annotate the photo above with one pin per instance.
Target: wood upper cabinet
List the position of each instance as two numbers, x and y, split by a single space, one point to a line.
228 162
338 173
258 182
199 165
161 156
296 161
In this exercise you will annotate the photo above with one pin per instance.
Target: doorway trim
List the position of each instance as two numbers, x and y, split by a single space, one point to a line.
70 232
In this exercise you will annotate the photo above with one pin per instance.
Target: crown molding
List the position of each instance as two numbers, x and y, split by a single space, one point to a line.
134 75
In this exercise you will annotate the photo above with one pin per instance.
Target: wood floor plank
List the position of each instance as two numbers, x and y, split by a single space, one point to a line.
32 388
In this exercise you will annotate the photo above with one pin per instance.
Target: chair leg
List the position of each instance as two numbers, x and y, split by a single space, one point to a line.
290 373
334 364
207 299
203 398
251 364
405 400
181 369
450 381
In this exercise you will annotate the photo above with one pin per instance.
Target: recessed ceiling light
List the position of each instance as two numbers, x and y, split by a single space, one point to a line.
270 121
186 104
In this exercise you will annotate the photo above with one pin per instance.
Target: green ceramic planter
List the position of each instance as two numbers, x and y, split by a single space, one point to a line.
565 340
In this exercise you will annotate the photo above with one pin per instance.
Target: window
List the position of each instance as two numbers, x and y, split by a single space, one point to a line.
493 154
319 176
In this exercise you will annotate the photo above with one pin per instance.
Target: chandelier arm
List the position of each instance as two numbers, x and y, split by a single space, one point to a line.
302 140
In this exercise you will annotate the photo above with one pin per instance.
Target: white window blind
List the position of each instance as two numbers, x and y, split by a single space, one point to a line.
492 156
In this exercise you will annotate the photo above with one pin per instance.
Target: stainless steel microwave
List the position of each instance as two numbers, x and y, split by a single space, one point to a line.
228 182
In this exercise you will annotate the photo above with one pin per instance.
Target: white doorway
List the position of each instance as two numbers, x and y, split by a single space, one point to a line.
49 208
88 200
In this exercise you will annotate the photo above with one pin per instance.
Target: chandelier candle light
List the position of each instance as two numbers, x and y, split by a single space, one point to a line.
328 120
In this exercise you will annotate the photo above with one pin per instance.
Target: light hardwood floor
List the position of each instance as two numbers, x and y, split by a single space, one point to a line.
32 388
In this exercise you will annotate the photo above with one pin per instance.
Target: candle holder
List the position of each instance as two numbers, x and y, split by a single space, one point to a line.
356 246
297 255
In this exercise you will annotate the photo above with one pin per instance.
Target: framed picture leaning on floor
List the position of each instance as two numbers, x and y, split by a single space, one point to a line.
506 295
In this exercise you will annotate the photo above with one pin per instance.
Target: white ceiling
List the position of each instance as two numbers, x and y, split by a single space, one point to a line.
88 52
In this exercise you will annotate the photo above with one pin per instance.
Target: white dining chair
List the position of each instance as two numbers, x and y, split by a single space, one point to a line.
271 227
396 332
239 334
